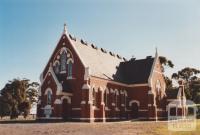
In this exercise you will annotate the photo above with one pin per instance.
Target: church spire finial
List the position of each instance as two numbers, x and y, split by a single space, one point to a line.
65 28
156 55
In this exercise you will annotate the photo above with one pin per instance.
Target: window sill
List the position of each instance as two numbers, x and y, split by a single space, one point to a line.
107 109
70 78
63 72
117 109
95 108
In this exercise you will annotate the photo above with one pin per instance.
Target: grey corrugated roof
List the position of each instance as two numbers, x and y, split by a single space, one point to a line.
135 71
101 64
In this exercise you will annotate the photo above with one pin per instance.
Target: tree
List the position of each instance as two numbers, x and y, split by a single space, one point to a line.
5 108
169 84
20 95
192 82
165 63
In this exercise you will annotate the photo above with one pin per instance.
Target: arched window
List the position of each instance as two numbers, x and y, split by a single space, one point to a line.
94 97
158 86
158 89
116 98
69 70
49 97
125 98
106 97
57 68
63 61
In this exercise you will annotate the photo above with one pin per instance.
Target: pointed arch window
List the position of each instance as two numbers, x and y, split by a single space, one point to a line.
63 60
158 89
94 96
116 98
106 97
57 67
49 98
69 69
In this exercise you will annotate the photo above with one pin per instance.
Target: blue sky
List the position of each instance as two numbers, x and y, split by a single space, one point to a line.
29 31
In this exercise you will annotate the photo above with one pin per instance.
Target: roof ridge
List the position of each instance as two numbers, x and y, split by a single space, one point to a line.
93 46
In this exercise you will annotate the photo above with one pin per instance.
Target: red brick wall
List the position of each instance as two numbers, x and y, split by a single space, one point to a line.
75 84
139 93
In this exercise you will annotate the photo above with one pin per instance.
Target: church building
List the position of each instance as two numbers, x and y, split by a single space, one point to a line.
82 82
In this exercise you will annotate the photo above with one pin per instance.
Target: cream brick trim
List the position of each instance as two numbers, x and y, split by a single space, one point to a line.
152 70
143 110
104 118
121 84
112 91
57 101
59 86
102 103
65 94
122 105
107 109
66 97
87 73
113 104
90 102
48 90
138 85
107 91
73 46
117 109
55 62
158 72
116 91
134 101
150 92
95 108
86 87
83 102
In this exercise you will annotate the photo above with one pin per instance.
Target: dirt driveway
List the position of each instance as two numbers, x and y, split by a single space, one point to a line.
70 128
114 128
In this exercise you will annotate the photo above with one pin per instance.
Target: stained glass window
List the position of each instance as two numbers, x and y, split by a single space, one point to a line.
49 97
69 71
63 61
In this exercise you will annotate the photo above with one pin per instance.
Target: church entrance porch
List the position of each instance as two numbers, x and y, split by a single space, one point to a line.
134 111
66 110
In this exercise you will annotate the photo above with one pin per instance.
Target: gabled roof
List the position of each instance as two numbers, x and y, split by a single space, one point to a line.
101 63
108 65
135 71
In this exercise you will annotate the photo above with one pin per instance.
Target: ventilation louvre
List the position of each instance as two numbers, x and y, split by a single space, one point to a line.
118 56
124 59
72 37
94 47
84 42
112 54
103 50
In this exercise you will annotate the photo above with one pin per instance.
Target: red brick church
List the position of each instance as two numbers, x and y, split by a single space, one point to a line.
82 82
